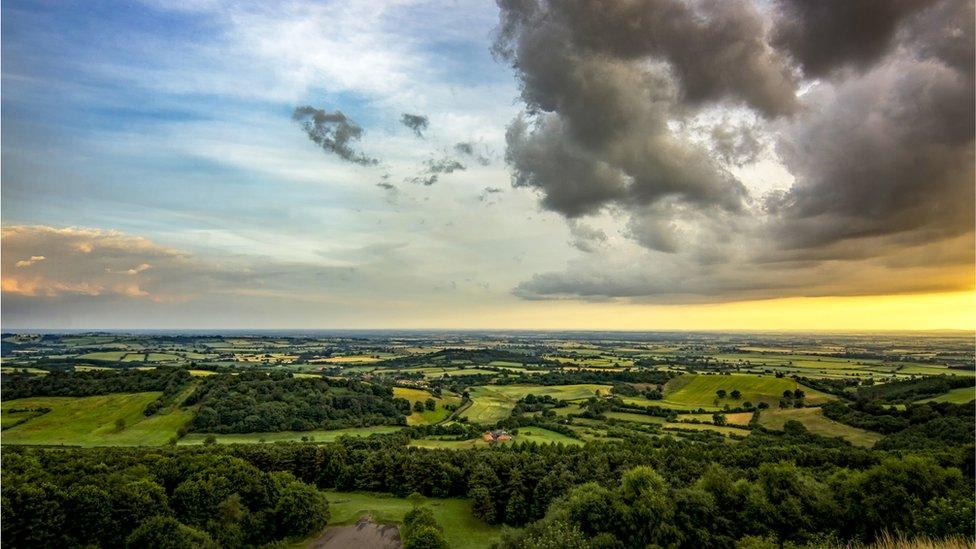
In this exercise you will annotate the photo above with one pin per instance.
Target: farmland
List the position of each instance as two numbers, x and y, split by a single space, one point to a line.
813 420
92 421
961 395
461 529
362 416
427 417
493 402
288 436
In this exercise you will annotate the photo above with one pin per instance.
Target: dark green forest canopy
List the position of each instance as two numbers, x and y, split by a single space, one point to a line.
76 384
259 402
706 493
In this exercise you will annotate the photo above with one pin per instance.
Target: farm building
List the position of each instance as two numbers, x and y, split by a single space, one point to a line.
496 436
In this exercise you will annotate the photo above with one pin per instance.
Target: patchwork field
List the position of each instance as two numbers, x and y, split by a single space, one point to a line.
289 436
637 418
961 395
815 422
543 436
693 391
677 426
427 417
91 421
461 529
491 403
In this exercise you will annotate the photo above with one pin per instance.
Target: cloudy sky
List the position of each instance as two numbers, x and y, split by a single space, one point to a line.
641 164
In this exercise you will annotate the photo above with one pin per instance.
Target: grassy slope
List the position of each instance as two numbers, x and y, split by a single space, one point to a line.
815 422
491 403
292 436
90 421
691 390
427 417
544 436
461 529
961 395
638 418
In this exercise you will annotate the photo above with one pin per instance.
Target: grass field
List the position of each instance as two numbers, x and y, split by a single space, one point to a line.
461 529
707 427
14 369
289 436
114 356
491 403
737 418
91 421
544 436
449 444
349 359
636 418
692 391
427 417
961 395
815 422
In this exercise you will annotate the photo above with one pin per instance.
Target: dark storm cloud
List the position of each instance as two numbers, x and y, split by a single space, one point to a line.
416 122
334 132
881 152
824 35
601 84
885 154
585 238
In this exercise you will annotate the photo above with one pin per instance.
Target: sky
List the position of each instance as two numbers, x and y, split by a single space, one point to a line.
643 164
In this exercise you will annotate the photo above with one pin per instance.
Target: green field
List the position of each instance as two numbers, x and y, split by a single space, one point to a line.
290 436
17 370
543 436
708 427
491 403
91 421
461 529
736 418
114 356
961 395
692 391
427 417
815 422
448 444
637 418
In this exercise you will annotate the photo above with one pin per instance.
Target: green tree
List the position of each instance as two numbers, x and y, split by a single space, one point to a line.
168 533
425 537
430 404
719 419
720 393
301 510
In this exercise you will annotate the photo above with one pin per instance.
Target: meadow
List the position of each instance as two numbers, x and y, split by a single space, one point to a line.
92 421
694 391
491 403
815 422
427 417
288 436
961 395
461 529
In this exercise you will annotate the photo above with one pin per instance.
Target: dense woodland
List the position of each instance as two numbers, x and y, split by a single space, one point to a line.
793 487
258 402
167 380
140 499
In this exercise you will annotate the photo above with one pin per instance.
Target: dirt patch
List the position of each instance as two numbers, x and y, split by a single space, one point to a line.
365 534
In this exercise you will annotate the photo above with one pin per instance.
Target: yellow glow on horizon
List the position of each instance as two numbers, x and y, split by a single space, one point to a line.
940 311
